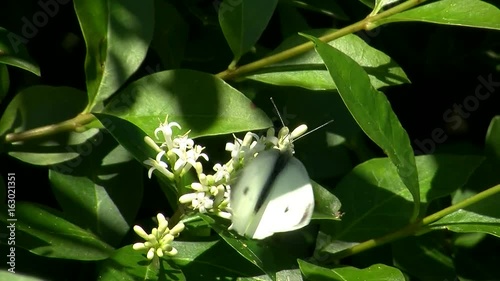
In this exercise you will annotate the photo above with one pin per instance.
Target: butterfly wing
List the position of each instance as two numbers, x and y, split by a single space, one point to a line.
290 203
247 190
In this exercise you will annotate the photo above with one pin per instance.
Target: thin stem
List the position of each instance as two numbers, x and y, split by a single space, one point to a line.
461 205
73 124
416 226
366 24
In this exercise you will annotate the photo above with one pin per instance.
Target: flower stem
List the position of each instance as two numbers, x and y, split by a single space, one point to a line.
416 226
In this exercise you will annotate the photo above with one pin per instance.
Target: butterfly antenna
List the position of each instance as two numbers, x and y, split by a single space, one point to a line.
236 139
315 129
277 111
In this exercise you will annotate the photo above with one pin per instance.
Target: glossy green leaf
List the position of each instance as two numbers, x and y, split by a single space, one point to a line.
379 4
265 254
376 202
483 216
329 8
132 139
190 251
198 101
4 81
289 275
128 264
29 264
28 110
369 3
211 260
170 35
13 52
6 275
117 35
374 114
246 247
425 257
45 232
472 13
374 272
326 204
103 194
243 22
308 70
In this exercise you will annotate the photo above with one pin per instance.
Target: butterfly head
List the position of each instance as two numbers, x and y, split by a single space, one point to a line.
286 139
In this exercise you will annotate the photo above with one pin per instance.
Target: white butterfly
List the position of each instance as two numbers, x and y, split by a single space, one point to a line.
272 194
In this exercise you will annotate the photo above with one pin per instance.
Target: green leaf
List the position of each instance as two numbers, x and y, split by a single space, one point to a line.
190 251
379 4
375 200
132 139
374 272
28 110
429 259
104 193
243 22
13 52
128 264
4 81
211 260
117 35
198 101
6 275
246 247
45 232
374 114
265 254
308 70
483 216
472 13
326 205
288 274
369 3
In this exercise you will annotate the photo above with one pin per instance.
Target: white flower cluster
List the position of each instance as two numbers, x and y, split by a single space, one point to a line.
180 153
176 156
211 192
159 242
